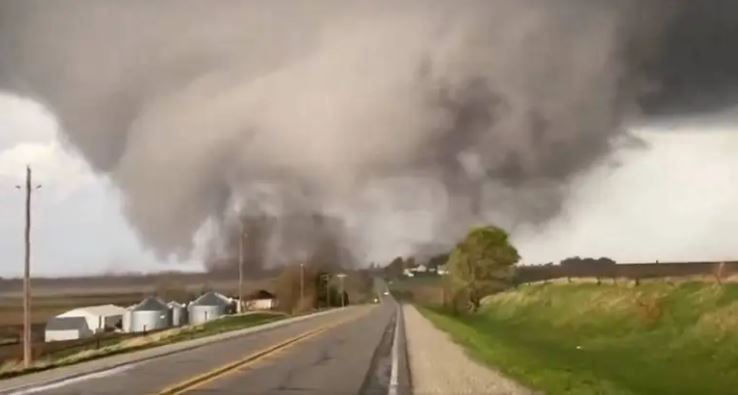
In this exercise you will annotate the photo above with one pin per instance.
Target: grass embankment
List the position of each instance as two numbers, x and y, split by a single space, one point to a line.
657 338
113 346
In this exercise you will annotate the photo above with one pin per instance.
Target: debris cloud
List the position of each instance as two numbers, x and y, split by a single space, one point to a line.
404 121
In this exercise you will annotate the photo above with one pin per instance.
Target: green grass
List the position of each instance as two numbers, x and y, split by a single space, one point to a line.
114 346
587 339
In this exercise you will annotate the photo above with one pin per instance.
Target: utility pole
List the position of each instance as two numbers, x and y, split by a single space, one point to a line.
302 282
240 266
27 357
343 299
327 290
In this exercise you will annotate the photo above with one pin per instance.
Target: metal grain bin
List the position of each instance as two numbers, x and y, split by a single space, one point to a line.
126 322
151 314
208 307
179 314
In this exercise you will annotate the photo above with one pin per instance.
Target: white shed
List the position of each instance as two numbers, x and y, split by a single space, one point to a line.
99 318
66 328
261 300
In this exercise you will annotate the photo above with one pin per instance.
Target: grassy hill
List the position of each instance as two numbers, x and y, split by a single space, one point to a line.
657 338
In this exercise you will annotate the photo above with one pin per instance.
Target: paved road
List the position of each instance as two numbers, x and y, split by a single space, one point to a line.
349 356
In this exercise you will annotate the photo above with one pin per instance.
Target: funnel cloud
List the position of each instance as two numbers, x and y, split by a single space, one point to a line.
399 123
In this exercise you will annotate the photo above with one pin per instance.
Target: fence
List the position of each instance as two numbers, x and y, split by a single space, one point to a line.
633 271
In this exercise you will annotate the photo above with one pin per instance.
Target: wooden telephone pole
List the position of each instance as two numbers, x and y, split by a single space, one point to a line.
240 268
27 357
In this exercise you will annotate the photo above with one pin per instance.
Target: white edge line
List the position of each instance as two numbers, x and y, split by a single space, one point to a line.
196 343
77 379
394 376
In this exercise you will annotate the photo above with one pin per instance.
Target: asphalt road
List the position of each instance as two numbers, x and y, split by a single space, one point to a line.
347 352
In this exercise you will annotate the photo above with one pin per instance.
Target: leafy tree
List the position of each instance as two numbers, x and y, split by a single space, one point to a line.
395 268
480 265
437 260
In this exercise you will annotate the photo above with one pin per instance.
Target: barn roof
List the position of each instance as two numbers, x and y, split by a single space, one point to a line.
261 294
104 310
66 323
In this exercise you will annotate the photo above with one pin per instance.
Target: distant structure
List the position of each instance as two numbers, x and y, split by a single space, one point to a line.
66 328
261 300
208 307
84 322
178 313
150 314
126 323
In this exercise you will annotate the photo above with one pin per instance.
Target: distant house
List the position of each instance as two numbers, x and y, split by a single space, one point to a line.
261 300
408 273
66 328
419 269
442 270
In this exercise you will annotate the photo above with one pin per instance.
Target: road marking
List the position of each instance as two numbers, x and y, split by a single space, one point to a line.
394 375
217 373
73 380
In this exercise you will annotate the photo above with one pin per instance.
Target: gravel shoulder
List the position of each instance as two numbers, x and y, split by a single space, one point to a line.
440 366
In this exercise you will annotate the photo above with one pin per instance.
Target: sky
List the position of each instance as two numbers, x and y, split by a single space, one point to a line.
671 200
77 224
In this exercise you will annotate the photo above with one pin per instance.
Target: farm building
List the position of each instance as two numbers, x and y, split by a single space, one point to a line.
66 328
84 321
261 300
126 324
150 314
208 307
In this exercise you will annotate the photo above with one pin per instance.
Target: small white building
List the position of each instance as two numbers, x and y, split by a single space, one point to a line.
84 322
420 269
261 300
66 328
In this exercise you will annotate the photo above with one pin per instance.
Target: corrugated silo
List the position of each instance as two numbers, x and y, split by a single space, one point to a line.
149 315
208 307
126 322
179 314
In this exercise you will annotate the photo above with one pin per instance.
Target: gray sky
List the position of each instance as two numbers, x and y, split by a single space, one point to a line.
78 227
584 127
674 200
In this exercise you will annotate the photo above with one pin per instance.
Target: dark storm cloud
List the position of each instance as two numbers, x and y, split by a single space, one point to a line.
695 69
422 116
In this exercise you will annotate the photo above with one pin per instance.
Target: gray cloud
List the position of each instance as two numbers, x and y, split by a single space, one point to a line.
347 108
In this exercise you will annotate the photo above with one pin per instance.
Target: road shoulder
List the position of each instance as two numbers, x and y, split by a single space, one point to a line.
440 366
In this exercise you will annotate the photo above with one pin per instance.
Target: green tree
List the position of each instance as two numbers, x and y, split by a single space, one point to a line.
395 268
480 265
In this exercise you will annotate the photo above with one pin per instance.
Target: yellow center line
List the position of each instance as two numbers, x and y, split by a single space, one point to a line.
217 373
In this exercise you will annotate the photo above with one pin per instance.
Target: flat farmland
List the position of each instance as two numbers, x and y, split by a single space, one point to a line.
55 296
